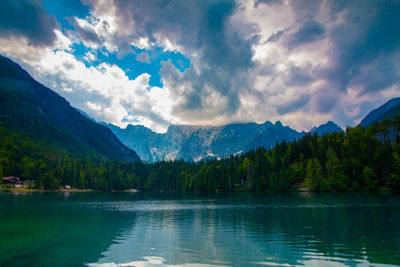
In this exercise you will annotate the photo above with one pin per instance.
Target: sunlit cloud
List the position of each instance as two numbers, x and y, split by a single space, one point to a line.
300 62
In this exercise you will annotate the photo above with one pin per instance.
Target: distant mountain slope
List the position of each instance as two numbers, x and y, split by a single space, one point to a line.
137 137
231 139
193 143
329 127
35 111
389 110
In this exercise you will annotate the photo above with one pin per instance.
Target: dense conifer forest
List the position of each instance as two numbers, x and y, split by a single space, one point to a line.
356 160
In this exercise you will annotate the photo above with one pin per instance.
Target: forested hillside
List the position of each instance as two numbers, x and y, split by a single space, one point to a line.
35 111
356 160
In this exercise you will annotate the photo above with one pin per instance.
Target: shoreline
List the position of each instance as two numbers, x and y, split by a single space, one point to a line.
72 190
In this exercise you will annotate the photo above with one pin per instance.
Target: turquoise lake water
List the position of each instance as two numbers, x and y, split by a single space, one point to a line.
140 229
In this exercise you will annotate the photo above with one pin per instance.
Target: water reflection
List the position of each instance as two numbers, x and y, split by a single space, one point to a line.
125 229
350 230
48 229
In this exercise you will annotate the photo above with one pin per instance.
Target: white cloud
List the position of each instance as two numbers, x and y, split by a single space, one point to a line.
108 92
19 47
142 43
93 106
104 91
252 66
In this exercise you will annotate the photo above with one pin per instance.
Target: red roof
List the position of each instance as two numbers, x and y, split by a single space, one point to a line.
11 179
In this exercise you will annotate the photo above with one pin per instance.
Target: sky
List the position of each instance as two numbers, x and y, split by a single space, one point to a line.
201 62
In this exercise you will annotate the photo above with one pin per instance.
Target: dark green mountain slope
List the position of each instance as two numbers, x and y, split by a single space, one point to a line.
37 112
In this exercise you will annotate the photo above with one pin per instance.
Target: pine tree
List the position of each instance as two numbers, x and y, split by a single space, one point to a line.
336 179
314 176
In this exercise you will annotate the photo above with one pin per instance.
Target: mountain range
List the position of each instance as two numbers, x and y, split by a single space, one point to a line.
193 143
35 111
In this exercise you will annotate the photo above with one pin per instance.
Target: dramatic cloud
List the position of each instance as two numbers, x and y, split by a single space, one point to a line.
367 43
325 50
85 32
310 31
27 18
219 47
105 91
302 62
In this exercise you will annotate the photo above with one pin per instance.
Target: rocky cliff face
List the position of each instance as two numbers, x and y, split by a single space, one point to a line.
193 143
152 146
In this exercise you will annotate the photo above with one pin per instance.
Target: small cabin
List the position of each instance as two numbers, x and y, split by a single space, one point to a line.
11 180
67 187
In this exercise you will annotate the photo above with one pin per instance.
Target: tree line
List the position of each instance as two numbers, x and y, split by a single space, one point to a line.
359 159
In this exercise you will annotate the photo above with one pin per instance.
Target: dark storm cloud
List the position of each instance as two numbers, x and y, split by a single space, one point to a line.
27 18
366 45
382 74
364 49
226 56
310 31
299 76
325 101
293 105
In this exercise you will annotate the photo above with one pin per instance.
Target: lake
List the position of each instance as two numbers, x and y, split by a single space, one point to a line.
246 229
